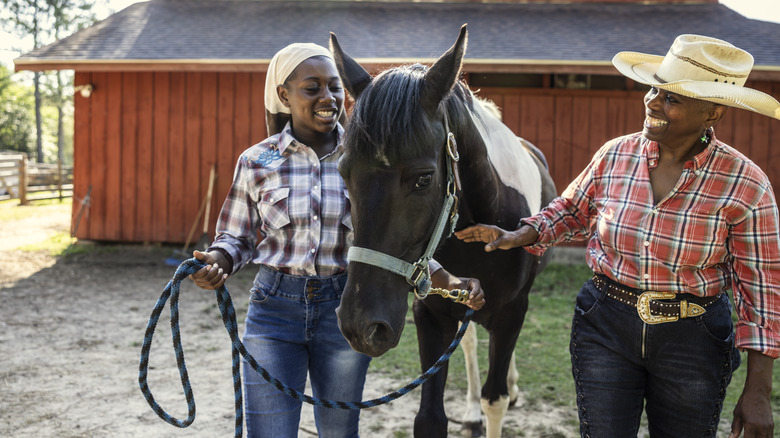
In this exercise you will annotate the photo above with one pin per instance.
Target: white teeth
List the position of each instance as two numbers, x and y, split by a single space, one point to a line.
651 122
326 114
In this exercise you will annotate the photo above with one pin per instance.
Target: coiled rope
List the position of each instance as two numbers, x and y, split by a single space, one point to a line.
228 312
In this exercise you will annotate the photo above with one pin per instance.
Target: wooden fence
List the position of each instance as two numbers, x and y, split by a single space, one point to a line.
29 181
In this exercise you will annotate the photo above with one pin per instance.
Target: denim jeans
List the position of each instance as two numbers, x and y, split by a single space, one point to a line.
292 330
677 371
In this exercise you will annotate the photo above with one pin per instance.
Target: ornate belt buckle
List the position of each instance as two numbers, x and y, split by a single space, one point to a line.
643 307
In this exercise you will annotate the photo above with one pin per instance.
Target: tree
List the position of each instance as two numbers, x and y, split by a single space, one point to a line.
45 21
16 121
27 17
69 16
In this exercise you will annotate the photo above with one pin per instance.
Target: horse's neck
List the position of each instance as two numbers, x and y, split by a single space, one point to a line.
478 177
492 160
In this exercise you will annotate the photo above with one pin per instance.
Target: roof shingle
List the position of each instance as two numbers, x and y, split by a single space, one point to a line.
247 30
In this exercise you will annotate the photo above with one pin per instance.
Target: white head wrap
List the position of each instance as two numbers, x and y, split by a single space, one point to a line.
282 64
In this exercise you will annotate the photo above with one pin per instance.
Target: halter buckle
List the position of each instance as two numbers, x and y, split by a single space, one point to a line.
420 279
452 147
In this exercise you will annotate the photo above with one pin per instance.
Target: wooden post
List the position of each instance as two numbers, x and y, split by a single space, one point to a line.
59 178
23 180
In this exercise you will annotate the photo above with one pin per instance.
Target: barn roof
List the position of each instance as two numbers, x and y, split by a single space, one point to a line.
511 37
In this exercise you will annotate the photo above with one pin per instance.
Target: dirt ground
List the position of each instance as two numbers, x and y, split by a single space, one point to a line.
70 337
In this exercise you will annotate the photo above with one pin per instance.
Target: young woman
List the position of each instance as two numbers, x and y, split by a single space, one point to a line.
287 188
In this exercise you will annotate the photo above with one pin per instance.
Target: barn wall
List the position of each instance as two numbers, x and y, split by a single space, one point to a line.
145 141
569 126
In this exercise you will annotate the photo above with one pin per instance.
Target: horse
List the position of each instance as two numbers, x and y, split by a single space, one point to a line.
424 156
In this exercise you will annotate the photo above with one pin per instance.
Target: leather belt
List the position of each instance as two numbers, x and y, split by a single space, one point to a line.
651 311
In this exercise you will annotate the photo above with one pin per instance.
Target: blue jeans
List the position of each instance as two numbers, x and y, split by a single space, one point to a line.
680 369
292 330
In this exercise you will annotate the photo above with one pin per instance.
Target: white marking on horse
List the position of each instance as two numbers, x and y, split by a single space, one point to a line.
494 413
515 165
473 408
473 413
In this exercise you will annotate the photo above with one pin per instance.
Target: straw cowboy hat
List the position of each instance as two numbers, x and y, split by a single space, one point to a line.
702 68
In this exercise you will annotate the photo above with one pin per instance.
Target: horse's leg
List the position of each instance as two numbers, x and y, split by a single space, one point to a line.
511 380
495 393
472 418
433 337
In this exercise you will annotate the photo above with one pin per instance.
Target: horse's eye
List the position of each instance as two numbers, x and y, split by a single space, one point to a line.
423 181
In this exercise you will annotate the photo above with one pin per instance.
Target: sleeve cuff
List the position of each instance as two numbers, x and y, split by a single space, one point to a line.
433 266
231 256
537 224
752 337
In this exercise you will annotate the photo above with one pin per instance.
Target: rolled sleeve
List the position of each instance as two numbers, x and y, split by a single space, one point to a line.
755 249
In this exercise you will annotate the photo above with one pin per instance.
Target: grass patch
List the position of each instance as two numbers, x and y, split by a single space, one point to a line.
10 210
58 244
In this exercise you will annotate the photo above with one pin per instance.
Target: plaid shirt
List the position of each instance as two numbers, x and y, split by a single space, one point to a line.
716 230
297 202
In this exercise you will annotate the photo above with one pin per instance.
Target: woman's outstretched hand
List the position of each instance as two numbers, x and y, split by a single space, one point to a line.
498 238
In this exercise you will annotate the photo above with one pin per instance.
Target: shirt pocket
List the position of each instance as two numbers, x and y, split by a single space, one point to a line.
274 208
346 216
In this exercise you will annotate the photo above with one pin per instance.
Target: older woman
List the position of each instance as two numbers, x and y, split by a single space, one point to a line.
674 218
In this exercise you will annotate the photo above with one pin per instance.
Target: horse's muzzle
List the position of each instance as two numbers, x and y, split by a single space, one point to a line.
373 338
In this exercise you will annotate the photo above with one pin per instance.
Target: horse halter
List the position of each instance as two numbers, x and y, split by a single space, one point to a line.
418 274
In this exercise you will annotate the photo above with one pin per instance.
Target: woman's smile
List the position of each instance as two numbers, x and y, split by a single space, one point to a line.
652 122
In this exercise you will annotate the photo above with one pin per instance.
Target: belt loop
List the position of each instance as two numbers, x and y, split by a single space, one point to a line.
337 280
277 279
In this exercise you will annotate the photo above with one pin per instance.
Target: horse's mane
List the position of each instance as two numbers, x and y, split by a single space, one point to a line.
388 122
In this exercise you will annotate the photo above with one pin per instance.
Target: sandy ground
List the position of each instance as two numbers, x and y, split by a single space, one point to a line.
70 336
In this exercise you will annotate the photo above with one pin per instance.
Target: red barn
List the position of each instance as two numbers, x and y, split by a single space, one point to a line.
177 85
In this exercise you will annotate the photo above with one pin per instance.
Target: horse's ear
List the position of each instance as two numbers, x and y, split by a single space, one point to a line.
442 76
353 75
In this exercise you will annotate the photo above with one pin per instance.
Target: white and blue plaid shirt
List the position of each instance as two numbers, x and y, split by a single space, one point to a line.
287 209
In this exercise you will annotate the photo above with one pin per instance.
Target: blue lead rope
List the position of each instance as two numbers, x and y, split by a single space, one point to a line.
228 312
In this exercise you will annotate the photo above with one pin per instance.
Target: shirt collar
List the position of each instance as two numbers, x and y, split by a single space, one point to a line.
651 153
289 144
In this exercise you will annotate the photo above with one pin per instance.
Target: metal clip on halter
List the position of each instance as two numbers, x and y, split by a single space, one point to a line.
460 296
420 279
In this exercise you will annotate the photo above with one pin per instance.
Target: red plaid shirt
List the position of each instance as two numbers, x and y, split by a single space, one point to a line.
297 202
716 230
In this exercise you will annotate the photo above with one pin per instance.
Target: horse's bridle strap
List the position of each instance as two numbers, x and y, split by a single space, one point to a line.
376 258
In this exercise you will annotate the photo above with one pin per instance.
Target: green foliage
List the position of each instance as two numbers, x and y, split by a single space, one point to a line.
43 21
57 244
16 118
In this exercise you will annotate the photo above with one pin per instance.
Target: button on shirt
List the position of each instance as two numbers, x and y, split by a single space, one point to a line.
716 230
298 204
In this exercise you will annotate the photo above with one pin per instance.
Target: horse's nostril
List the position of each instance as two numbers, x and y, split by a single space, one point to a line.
379 335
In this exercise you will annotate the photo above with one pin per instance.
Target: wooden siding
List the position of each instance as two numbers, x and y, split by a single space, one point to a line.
145 141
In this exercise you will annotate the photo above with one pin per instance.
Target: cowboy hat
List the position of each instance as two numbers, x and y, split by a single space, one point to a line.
702 68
